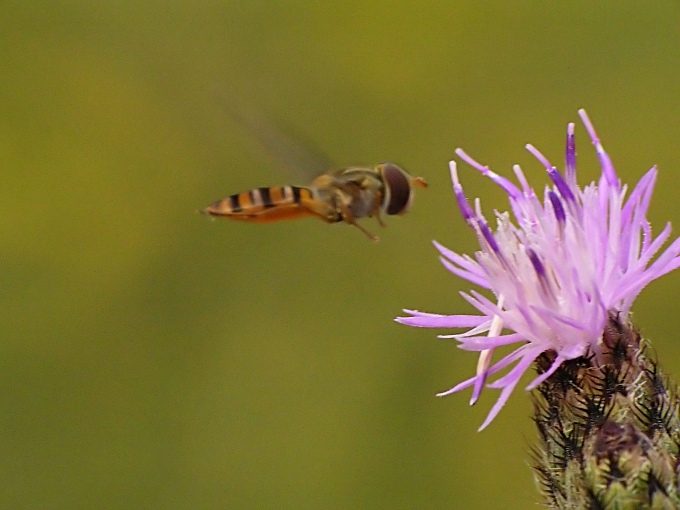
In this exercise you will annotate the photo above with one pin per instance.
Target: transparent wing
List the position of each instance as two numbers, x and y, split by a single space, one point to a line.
293 152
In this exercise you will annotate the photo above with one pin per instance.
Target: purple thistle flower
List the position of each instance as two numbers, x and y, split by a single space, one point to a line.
557 270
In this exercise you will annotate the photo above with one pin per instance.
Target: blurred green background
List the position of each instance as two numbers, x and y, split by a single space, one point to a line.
152 358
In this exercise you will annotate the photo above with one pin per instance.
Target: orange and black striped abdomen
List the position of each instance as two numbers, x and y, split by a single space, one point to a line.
264 204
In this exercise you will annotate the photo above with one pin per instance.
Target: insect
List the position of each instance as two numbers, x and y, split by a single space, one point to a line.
344 195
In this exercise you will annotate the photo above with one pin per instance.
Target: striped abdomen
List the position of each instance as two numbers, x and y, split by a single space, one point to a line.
264 204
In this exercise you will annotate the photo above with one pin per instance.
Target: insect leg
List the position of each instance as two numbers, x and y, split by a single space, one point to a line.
375 209
372 237
348 217
323 209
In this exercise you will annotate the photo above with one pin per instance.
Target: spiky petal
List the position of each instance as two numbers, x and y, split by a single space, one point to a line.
557 267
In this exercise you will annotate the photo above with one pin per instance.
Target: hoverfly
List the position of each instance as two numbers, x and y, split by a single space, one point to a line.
343 195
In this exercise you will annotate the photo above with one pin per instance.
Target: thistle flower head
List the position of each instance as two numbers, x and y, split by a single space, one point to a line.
557 267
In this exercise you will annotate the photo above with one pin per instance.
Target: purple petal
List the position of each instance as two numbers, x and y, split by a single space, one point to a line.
471 277
487 342
512 379
461 199
570 172
555 365
606 164
500 365
558 209
432 320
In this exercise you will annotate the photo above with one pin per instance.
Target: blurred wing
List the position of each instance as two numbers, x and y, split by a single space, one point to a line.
299 157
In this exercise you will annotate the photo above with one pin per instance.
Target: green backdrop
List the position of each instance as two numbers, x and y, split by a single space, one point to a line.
151 358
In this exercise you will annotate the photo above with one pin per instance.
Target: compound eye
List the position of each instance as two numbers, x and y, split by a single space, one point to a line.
398 189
